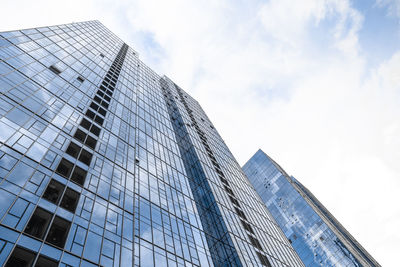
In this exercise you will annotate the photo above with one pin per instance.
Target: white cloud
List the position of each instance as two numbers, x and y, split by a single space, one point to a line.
286 76
392 5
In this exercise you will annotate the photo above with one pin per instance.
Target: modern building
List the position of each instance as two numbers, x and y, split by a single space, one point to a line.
318 238
105 163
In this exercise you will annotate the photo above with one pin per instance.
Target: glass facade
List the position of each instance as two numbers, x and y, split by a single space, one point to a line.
318 238
105 163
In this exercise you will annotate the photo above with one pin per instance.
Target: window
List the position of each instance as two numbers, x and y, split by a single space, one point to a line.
54 191
85 123
102 111
234 201
38 223
90 142
100 93
224 180
247 226
90 114
255 242
97 99
54 69
80 135
79 175
240 213
86 139
85 157
228 190
64 168
108 92
99 120
45 262
263 259
107 98
21 257
94 106
70 200
58 232
73 150
95 130
104 104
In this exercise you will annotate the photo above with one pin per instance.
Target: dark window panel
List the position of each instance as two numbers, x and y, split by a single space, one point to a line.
64 168
70 200
99 120
107 98
85 124
21 257
104 104
58 232
54 69
45 262
73 150
264 260
90 114
38 223
97 99
94 106
79 175
85 157
80 135
54 191
100 93
95 130
91 142
255 242
102 111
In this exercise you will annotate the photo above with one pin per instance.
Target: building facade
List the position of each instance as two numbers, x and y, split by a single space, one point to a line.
318 238
105 163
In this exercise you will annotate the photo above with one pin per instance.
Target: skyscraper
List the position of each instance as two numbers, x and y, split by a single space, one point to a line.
104 162
318 238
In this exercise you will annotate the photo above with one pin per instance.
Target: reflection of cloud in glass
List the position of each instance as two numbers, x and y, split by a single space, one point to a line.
294 215
37 151
6 131
146 257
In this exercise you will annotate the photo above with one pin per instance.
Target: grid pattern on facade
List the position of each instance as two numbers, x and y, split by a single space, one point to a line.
312 236
91 176
218 239
268 235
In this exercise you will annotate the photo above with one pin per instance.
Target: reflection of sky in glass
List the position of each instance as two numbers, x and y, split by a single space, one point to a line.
313 240
136 203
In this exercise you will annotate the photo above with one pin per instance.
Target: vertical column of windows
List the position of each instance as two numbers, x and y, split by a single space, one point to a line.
218 238
43 224
239 211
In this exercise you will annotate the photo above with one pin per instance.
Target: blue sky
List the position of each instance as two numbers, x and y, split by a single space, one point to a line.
314 83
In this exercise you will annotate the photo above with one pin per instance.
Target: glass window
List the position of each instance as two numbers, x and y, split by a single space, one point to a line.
54 191
38 223
58 232
45 262
20 258
70 200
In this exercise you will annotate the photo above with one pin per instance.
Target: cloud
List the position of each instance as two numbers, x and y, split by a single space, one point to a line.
294 82
285 76
393 6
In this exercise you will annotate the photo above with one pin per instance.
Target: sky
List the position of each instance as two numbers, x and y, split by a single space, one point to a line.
314 83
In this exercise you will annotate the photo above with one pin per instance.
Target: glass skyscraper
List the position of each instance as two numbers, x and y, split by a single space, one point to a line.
318 238
105 163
